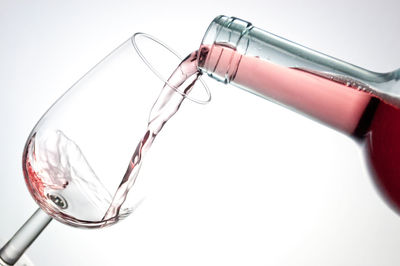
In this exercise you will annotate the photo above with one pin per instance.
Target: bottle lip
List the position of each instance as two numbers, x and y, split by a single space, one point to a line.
227 31
225 24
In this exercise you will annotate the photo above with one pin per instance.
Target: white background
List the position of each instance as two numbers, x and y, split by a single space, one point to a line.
240 181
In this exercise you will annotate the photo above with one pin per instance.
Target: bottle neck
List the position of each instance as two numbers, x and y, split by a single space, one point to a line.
322 87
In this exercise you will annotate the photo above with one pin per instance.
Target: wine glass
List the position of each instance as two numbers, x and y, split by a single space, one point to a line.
78 161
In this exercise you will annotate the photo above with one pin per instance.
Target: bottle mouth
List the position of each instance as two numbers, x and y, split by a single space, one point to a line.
223 37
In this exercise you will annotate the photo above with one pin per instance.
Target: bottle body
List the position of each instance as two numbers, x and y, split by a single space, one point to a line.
345 97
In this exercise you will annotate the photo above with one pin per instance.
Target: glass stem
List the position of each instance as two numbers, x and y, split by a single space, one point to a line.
24 237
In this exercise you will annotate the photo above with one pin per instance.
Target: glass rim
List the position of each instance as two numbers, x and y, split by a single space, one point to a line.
159 75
